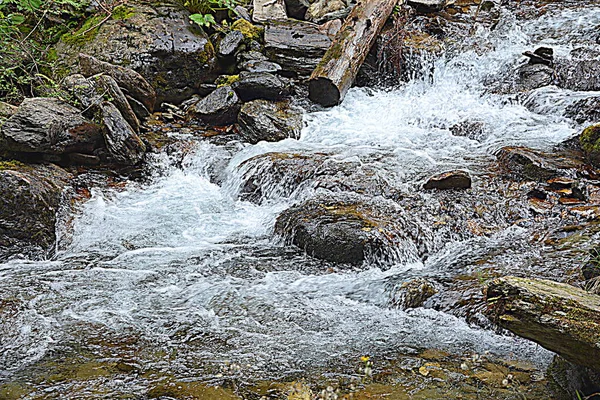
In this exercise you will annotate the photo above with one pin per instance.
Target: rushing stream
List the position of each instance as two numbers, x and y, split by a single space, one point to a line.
180 275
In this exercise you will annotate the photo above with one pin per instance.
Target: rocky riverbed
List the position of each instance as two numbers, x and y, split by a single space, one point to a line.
184 223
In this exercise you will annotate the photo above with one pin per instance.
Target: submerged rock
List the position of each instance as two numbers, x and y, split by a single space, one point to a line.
449 180
560 317
50 126
533 76
29 199
273 175
270 121
350 230
122 142
221 107
413 293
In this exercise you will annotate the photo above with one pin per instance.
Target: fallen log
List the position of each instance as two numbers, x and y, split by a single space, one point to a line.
337 70
559 317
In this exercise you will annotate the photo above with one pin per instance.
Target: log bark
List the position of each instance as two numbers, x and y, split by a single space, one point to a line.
337 70
560 317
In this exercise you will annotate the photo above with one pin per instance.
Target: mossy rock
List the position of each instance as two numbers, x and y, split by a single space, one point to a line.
590 143
250 32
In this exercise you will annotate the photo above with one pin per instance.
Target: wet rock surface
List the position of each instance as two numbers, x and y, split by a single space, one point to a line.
260 85
220 107
122 142
30 196
270 121
348 230
47 125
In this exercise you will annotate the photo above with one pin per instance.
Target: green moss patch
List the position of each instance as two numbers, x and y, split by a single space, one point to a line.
122 12
249 31
86 33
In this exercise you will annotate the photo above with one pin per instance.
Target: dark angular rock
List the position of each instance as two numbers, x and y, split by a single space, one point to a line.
566 378
541 55
48 125
84 159
349 230
221 107
260 85
138 108
122 142
270 121
449 180
29 199
296 8
230 43
111 89
134 83
297 46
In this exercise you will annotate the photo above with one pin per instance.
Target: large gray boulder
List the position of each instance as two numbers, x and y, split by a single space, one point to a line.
29 199
160 43
122 142
270 121
295 45
49 126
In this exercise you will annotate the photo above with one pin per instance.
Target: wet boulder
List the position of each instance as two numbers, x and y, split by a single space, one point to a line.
525 163
220 107
590 143
276 175
427 6
413 293
533 76
160 43
49 126
29 199
449 180
135 84
295 45
351 230
260 85
560 317
124 145
270 121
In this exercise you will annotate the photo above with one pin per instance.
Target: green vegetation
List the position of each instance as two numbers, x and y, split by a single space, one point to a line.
28 29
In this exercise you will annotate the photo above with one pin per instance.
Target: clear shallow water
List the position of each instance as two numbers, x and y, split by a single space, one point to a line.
190 269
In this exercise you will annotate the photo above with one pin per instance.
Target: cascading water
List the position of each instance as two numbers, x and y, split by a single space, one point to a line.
198 278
